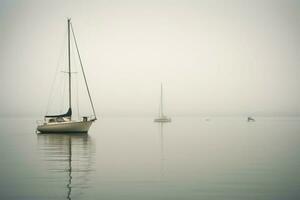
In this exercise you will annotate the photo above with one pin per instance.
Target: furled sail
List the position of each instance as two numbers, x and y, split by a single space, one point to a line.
68 114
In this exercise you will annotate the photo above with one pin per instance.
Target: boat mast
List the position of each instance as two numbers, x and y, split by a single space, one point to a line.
161 100
69 60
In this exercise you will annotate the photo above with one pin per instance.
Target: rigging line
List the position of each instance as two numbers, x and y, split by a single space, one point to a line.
63 80
55 75
87 87
77 96
75 66
63 95
65 84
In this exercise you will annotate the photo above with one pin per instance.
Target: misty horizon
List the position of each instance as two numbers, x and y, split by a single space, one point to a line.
214 58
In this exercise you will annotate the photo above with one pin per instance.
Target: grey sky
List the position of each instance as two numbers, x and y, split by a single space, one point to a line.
214 57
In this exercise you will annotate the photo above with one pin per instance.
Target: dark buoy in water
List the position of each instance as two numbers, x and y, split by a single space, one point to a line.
250 119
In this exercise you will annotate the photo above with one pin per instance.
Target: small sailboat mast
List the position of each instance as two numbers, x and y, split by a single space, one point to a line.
161 101
69 62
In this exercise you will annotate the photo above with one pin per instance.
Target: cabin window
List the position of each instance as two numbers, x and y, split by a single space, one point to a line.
51 120
60 119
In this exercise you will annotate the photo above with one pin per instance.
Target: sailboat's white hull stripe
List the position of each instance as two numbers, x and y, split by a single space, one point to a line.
69 127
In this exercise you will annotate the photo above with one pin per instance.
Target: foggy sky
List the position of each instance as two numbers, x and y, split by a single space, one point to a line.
213 57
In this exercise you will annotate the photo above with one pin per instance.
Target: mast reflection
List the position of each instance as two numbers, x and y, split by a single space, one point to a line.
69 186
162 154
71 155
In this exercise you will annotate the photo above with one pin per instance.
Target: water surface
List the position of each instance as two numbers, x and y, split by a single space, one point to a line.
134 158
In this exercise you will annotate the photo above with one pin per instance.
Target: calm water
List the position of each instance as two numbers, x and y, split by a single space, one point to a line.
134 158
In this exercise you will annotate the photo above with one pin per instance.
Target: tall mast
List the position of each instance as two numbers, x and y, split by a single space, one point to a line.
69 59
161 100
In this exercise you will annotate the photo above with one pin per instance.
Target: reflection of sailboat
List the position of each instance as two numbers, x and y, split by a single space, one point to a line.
75 150
69 185
63 123
162 154
161 117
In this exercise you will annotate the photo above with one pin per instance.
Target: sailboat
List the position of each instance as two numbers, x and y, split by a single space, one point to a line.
64 123
161 117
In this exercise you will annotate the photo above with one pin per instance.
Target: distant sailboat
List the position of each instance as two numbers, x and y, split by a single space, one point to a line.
161 116
64 123
250 119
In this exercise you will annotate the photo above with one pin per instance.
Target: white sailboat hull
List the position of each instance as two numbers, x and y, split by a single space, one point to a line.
65 127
